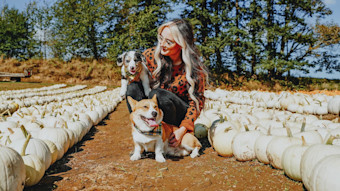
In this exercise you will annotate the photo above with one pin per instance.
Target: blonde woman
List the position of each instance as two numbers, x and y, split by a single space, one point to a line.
179 78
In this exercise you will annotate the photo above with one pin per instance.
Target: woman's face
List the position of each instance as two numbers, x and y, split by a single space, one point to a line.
167 43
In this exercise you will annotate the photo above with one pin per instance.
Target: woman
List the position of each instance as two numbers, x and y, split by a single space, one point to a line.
179 77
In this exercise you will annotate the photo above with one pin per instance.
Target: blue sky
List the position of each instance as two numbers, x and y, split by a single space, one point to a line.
334 5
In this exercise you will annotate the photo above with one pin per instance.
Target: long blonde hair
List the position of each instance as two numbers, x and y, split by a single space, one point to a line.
183 36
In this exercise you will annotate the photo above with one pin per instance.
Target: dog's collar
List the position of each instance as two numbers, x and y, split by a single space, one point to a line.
157 131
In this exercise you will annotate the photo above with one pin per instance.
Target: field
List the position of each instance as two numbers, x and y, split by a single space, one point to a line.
100 161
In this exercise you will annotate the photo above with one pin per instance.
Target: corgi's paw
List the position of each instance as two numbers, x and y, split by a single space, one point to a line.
160 158
195 153
135 157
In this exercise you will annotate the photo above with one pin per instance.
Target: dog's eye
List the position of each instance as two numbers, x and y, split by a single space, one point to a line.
156 107
145 106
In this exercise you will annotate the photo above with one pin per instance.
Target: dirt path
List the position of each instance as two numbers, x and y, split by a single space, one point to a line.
101 162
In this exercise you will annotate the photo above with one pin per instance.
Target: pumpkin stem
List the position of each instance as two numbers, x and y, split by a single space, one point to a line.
36 109
24 131
303 141
23 151
10 130
20 115
289 132
3 113
8 140
307 101
330 140
246 127
303 126
269 132
65 125
227 129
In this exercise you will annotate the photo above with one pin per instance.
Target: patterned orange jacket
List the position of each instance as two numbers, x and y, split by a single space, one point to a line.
178 86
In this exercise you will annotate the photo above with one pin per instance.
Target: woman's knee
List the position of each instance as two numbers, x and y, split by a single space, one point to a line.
135 90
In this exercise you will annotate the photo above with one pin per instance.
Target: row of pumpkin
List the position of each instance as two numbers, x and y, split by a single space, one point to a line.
12 103
33 138
305 147
318 104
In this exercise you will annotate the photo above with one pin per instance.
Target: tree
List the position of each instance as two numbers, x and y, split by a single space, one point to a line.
135 25
327 46
14 34
78 27
209 19
288 35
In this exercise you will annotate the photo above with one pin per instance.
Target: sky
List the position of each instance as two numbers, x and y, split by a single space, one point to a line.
334 5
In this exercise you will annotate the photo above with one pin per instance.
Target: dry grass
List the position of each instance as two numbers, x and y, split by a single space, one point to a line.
105 72
101 72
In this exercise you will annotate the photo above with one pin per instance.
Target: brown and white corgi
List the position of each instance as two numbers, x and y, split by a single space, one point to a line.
151 134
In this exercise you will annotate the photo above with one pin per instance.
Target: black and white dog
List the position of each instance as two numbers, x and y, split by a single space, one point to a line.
134 68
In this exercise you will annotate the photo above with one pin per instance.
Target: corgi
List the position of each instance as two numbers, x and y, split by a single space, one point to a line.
151 134
133 68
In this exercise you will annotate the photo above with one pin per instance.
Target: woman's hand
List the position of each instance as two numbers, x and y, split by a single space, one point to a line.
176 137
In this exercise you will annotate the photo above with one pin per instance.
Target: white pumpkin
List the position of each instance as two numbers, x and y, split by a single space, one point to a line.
53 150
243 145
58 136
334 105
222 141
277 146
260 147
311 157
35 168
291 160
12 168
325 175
35 147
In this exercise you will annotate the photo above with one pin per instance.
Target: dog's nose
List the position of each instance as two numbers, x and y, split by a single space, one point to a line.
132 67
154 114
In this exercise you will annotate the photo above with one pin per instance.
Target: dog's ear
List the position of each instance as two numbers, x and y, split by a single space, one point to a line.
139 56
121 59
132 102
154 98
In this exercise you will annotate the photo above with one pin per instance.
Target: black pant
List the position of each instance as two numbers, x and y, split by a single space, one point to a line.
173 107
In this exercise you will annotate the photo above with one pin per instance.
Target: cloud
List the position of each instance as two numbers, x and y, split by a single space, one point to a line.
330 2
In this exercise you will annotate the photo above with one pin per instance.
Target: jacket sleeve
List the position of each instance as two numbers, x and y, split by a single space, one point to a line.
192 113
150 59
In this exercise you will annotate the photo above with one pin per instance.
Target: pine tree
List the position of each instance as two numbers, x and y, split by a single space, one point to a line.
78 28
209 18
135 25
14 34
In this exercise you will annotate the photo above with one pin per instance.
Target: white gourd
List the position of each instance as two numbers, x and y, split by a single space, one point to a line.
58 136
277 146
260 147
53 150
291 160
334 105
12 168
35 168
312 156
222 141
243 145
325 175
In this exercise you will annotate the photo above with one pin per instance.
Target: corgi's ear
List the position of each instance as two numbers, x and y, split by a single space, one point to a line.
132 102
154 98
121 59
